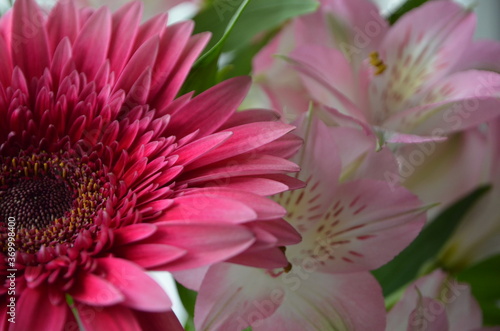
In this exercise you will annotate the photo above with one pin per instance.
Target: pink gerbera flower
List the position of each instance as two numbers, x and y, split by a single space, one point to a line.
103 175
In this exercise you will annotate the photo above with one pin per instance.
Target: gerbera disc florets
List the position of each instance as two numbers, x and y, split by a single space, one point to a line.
53 197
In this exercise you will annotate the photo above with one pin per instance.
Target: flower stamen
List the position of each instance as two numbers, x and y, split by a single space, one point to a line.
375 61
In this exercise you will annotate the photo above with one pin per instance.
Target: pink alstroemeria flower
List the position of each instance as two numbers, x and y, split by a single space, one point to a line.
406 83
436 302
348 227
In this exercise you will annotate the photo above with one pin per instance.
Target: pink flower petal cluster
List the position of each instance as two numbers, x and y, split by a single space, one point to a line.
415 81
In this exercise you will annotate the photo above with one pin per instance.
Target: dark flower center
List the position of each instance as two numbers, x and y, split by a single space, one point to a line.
36 203
52 197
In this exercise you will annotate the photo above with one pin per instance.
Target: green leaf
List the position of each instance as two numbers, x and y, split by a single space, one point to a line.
203 75
188 299
233 24
241 64
406 266
259 16
406 7
484 279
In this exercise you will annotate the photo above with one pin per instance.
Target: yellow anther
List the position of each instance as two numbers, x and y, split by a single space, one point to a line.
377 63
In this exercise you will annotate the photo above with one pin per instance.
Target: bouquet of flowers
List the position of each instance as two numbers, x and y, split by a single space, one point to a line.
289 165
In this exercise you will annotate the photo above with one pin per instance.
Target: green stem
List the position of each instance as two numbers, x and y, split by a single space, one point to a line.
71 304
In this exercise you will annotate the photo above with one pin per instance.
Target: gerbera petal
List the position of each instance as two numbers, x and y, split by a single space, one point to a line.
239 166
134 232
6 68
142 59
285 146
244 139
265 186
153 27
264 208
172 44
259 257
94 290
150 255
223 99
125 26
29 37
250 116
205 243
141 292
158 321
283 232
114 318
96 33
191 152
177 77
58 29
44 315
62 55
4 324
205 207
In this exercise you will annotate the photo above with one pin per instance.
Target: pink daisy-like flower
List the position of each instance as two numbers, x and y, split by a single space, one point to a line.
104 174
